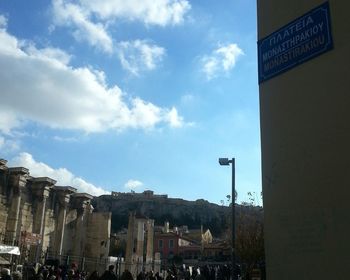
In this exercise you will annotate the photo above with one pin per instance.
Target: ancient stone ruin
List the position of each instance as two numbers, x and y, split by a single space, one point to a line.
50 222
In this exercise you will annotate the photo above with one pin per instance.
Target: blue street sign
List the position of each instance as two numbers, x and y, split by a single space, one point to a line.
302 39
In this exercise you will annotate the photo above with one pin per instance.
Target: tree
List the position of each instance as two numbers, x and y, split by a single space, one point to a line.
250 235
249 241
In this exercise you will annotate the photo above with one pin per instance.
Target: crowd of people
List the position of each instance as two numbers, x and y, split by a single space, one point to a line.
37 272
206 272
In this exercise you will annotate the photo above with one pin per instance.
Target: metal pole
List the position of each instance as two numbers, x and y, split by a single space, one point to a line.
233 220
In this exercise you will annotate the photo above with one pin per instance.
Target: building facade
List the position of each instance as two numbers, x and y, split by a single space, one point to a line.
304 55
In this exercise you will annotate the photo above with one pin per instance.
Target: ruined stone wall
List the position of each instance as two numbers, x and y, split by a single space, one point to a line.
26 216
48 220
98 234
3 213
3 199
70 233
49 228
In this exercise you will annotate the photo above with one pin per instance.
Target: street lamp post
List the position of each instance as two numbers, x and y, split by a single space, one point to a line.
226 161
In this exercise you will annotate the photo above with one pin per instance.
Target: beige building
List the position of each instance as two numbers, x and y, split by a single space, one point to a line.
49 221
304 58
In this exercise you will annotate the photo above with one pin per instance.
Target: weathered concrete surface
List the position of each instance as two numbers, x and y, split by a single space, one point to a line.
305 140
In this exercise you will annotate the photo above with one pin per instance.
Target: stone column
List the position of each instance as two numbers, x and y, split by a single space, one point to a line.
149 248
130 242
41 190
3 174
80 201
61 223
157 263
17 180
140 240
63 198
3 200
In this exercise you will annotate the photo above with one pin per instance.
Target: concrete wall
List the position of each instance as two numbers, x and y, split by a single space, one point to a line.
305 137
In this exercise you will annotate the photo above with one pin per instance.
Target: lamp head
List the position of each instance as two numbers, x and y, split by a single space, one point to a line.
224 161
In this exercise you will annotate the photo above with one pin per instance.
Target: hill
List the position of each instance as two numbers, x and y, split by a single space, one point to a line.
161 208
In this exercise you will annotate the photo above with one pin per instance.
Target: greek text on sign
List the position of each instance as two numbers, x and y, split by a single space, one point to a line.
302 39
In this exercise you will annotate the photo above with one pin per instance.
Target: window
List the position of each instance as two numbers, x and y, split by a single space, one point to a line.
160 243
171 243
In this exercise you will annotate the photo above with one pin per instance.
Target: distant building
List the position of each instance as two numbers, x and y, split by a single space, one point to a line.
147 194
180 242
216 251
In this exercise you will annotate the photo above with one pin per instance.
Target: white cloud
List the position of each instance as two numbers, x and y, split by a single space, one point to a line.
8 120
133 184
68 14
3 21
89 19
139 55
63 176
221 60
64 139
187 99
38 85
155 12
47 53
229 55
8 144
174 119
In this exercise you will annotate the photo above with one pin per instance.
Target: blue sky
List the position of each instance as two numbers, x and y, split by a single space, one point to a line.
118 95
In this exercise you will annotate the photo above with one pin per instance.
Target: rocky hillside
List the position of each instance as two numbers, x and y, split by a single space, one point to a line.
177 211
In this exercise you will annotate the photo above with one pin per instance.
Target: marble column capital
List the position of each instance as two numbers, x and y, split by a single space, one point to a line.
18 177
64 200
63 194
41 187
3 163
80 201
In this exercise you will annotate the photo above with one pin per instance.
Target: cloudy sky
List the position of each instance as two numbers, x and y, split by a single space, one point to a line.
115 95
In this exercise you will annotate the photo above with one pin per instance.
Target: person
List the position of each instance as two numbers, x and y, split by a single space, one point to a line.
5 274
200 275
109 274
158 277
150 276
141 276
94 276
71 273
170 275
17 275
126 275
